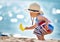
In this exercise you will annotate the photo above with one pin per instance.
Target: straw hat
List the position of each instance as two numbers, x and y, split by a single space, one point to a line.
34 6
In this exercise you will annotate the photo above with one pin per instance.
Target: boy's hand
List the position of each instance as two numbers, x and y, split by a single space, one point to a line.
26 28
46 27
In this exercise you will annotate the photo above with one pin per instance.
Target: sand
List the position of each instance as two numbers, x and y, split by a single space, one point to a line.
22 39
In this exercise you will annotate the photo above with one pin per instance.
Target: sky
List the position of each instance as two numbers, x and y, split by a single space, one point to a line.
14 12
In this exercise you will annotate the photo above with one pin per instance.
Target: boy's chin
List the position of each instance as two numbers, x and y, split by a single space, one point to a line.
33 16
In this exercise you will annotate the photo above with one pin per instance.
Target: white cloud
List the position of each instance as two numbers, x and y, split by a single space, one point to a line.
5 33
55 11
1 18
20 16
13 20
58 11
1 6
17 35
10 14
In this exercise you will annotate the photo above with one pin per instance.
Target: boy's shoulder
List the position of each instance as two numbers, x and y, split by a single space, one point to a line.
40 16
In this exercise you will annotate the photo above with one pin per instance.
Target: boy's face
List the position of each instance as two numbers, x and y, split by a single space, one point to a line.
33 14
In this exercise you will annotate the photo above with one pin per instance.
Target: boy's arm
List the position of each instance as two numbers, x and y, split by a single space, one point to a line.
32 27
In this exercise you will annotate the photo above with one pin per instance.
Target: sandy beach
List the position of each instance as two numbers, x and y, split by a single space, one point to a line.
22 39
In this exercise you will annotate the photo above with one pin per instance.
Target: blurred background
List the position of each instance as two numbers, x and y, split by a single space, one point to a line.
14 12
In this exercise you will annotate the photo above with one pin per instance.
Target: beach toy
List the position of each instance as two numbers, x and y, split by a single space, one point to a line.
42 22
51 27
21 27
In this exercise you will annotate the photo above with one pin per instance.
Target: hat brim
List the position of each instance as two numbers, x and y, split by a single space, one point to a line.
35 11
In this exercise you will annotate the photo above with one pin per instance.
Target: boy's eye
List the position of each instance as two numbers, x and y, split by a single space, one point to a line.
33 10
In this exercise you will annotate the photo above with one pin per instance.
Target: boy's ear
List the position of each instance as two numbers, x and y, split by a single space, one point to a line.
41 12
